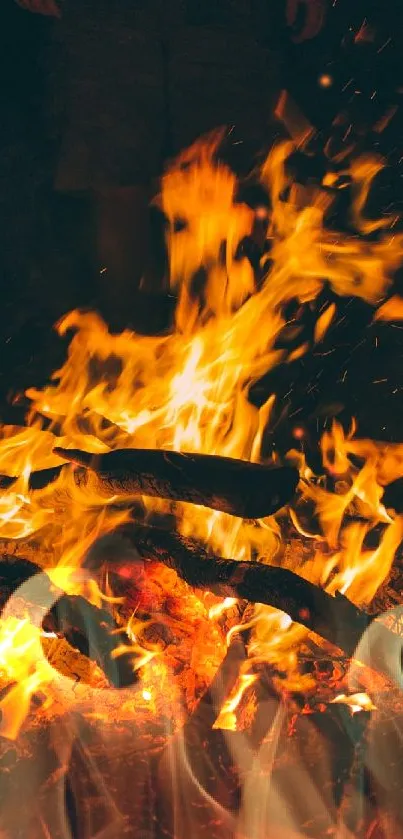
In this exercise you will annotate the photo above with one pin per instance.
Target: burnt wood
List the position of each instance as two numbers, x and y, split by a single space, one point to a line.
237 487
335 619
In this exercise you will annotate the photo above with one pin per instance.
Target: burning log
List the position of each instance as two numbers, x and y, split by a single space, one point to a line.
90 630
335 619
237 487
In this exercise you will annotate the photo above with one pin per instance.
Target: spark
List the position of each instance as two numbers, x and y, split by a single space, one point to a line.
325 80
381 49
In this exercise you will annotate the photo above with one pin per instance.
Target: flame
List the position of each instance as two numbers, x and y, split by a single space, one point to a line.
219 608
24 668
189 391
356 702
226 719
391 310
324 321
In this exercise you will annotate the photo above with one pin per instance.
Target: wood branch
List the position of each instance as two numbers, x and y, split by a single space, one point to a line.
237 487
232 486
335 619
90 630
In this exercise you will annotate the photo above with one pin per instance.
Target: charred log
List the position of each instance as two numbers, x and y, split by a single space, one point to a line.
335 619
90 630
232 486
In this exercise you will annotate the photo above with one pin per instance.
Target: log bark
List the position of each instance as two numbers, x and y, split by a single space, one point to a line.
237 487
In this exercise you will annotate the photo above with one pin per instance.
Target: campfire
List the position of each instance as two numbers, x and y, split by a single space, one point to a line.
194 635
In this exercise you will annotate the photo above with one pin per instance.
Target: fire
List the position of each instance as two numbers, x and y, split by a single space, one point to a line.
356 702
188 391
24 668
227 718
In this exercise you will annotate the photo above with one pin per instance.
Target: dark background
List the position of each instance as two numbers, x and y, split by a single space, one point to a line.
45 253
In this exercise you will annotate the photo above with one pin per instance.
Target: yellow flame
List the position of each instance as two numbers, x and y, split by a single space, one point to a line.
356 702
219 608
226 719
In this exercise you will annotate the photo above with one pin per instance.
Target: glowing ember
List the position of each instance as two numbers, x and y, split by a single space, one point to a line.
325 80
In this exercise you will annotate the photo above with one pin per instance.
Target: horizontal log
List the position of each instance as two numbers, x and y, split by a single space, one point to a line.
90 630
237 487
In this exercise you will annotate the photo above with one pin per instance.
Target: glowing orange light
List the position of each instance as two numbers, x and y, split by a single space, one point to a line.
325 80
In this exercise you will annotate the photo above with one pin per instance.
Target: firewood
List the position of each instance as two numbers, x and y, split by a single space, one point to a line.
90 630
335 619
232 486
237 487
